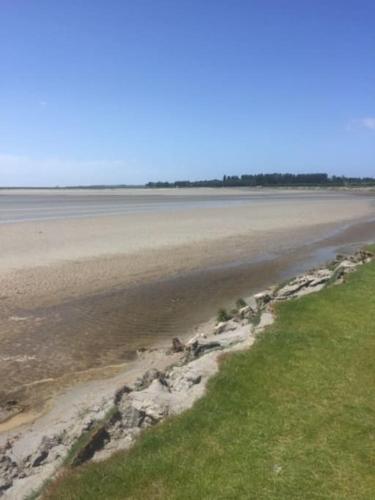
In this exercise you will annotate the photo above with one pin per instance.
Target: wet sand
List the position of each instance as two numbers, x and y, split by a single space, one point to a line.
110 285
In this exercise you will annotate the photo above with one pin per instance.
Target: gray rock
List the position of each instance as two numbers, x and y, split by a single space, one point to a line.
8 471
58 452
120 393
153 402
302 285
148 377
347 265
247 312
184 380
130 416
362 256
219 328
263 298
199 349
45 447
225 326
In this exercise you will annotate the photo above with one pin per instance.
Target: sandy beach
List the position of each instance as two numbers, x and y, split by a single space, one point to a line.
88 278
39 257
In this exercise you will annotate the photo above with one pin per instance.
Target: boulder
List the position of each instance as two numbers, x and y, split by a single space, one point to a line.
238 336
362 256
346 266
339 257
148 377
225 326
177 345
184 378
321 276
199 337
120 393
42 454
247 312
8 471
198 349
153 402
130 416
304 284
263 298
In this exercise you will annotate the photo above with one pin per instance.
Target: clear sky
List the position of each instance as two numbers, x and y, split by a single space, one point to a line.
126 91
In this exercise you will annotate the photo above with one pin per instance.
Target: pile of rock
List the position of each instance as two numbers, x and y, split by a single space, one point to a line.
152 398
158 395
314 280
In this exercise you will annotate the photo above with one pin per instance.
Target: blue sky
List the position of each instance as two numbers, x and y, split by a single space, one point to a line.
122 91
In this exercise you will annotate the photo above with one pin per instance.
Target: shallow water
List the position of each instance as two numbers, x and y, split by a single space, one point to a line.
33 207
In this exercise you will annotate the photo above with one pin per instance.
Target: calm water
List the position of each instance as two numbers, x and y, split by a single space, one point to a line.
32 207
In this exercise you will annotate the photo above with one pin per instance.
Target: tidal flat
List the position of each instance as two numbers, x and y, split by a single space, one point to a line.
90 278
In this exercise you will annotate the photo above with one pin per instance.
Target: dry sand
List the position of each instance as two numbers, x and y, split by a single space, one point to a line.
74 256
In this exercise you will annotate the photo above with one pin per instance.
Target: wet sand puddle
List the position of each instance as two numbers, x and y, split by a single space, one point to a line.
46 349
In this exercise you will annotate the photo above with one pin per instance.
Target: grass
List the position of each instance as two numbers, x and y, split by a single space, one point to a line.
292 418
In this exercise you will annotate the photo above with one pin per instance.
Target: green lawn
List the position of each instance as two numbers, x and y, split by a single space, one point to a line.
292 418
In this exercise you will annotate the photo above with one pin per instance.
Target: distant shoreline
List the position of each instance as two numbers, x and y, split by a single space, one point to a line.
187 188
250 181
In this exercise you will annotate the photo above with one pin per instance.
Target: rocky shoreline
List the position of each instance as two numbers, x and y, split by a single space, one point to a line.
30 456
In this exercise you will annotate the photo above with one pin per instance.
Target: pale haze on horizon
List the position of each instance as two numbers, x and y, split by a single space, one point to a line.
129 92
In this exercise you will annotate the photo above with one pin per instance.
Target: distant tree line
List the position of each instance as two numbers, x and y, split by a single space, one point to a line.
246 180
251 180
